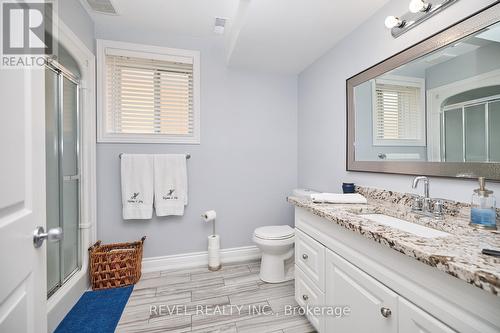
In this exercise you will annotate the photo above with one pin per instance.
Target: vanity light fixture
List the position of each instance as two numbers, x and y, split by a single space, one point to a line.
419 6
393 21
419 11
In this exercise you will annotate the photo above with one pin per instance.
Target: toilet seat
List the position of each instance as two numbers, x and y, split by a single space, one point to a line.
274 232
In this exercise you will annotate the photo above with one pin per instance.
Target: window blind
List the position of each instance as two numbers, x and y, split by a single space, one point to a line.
398 114
149 96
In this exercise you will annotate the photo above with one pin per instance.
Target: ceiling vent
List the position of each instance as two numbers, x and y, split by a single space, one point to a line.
102 6
220 24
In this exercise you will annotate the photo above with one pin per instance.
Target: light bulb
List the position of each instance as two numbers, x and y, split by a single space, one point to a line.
393 21
419 6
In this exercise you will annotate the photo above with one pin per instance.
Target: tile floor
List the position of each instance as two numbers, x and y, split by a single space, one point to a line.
262 306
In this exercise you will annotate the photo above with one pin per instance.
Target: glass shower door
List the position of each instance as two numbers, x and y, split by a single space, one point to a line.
62 175
470 131
453 136
494 131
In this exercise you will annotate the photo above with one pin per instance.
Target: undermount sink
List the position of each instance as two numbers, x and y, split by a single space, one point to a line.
406 226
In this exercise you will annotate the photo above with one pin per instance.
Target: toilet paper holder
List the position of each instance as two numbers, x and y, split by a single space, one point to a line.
209 216
214 263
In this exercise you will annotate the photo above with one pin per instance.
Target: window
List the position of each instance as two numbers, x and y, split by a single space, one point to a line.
147 94
398 112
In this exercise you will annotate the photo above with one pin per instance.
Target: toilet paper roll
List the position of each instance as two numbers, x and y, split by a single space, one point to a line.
213 252
214 241
209 216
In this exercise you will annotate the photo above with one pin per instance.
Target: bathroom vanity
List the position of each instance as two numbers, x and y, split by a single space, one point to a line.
426 276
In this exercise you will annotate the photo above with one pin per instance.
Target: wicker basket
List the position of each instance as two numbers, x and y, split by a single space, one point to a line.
115 265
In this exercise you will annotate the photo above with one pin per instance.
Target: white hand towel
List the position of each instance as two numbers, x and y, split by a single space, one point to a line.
137 186
349 198
170 184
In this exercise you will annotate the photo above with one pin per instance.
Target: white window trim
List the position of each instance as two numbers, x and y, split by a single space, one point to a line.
398 80
152 52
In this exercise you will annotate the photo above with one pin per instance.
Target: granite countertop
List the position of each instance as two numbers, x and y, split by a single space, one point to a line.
458 255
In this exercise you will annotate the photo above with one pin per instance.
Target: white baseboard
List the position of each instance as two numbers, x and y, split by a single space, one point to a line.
194 259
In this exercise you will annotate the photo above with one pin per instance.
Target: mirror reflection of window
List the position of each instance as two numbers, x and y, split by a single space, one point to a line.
398 113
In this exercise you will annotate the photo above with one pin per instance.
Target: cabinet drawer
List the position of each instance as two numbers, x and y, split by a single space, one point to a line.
308 294
412 319
310 257
374 307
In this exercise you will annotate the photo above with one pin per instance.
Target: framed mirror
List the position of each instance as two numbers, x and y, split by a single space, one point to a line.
434 108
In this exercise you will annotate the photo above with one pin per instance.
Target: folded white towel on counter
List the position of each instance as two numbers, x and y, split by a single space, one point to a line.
336 198
170 184
137 186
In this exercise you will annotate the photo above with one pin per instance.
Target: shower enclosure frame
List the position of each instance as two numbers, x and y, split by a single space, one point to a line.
60 301
486 101
63 73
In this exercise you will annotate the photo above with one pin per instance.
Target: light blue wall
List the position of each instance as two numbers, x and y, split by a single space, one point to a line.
244 167
322 115
72 13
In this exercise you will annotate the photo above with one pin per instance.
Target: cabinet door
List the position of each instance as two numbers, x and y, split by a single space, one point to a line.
373 305
412 319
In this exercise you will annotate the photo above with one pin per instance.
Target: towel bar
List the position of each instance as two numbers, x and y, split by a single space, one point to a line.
188 156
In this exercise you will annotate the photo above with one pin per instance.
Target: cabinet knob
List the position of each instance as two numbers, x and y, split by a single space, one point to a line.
305 297
386 312
305 256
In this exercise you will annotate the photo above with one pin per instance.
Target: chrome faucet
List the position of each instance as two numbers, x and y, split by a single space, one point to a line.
426 185
424 205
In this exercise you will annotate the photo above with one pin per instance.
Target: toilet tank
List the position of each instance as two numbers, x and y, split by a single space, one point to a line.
303 192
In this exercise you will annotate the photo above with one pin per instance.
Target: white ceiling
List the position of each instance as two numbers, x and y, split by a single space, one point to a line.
288 35
270 35
491 34
193 18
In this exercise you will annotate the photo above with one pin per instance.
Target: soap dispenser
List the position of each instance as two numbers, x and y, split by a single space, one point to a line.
483 207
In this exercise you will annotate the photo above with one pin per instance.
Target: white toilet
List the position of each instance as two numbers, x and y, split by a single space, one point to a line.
276 243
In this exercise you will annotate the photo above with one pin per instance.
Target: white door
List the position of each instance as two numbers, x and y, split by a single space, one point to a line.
373 305
412 319
22 204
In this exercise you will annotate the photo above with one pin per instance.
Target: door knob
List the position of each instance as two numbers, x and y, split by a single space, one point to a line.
386 312
53 235
305 256
305 297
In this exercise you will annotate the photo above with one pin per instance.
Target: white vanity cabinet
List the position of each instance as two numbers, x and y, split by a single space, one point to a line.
373 306
382 288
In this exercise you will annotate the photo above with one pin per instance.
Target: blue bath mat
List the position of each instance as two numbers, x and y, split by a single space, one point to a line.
96 311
